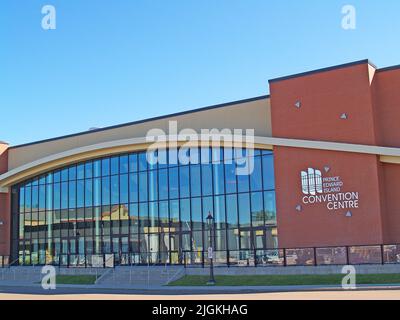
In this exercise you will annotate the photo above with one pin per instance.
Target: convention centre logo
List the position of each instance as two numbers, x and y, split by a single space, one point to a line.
318 188
311 181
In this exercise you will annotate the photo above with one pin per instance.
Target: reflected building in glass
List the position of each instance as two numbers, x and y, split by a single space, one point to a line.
148 213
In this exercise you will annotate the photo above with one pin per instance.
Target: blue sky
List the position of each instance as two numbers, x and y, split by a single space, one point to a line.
110 62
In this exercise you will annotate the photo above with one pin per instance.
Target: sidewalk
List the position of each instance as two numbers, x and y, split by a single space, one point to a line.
173 290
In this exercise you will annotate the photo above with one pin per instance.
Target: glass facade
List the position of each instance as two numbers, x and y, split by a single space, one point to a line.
148 213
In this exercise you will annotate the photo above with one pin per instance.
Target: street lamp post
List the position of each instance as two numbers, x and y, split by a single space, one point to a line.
210 222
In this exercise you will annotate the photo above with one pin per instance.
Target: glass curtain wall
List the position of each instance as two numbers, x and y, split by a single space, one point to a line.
145 213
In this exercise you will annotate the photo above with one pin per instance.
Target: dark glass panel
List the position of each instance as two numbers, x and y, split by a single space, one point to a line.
49 178
21 199
245 240
164 213
88 170
198 245
184 156
243 182
173 158
228 155
80 174
195 181
196 213
256 175
142 161
97 168
105 167
173 183
207 208
97 191
114 189
28 198
153 215
64 175
163 184
220 240
114 165
185 214
80 214
257 212
133 162
106 191
123 183
123 164
57 196
194 156
49 197
57 176
152 159
134 218
134 247
80 193
42 197
64 195
174 211
244 210
115 222
219 212
219 182
233 239
184 182
133 187
270 207
35 198
205 155
268 172
231 211
217 155
143 193
162 158
144 217
72 194
72 173
207 182
21 226
88 193
153 185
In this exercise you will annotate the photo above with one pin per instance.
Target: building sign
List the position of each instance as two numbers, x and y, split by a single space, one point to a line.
328 190
210 253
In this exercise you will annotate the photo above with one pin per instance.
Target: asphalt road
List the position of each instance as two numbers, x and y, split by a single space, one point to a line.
37 293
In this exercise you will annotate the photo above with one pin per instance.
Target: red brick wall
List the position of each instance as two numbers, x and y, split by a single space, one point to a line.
386 99
324 96
315 225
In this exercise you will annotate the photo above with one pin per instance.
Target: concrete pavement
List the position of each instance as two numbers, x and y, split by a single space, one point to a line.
36 289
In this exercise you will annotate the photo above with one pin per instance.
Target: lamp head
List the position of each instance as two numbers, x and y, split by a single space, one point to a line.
209 218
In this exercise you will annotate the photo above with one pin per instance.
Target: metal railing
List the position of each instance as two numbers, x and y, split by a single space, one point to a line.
309 256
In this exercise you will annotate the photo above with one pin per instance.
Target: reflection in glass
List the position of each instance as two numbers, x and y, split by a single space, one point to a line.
149 213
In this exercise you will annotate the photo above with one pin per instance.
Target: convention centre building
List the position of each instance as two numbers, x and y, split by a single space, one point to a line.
323 186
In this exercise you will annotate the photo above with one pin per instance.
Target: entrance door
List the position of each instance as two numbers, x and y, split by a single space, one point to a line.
181 247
